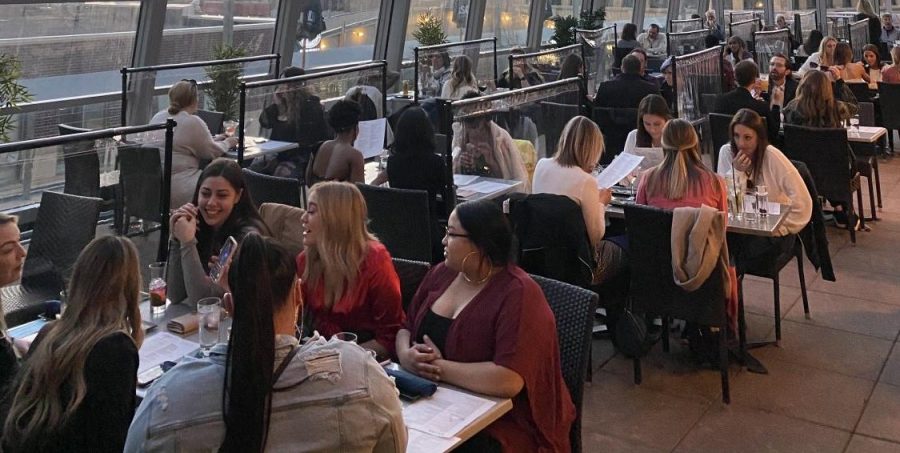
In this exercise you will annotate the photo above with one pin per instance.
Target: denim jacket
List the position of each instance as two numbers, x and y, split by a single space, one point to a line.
347 405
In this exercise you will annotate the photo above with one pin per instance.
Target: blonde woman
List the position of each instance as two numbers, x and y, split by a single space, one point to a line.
76 389
822 59
12 258
192 141
349 281
462 79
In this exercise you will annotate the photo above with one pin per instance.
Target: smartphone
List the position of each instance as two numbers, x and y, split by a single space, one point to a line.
224 257
147 377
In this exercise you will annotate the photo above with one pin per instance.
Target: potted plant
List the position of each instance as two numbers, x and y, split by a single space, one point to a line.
225 81
12 93
564 27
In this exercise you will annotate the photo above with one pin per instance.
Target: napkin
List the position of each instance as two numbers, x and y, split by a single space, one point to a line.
184 324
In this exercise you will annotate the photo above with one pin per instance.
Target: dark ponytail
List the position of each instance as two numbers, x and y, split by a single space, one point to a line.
261 277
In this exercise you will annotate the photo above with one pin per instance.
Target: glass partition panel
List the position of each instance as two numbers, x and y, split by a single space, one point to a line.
859 37
69 49
452 16
744 30
507 20
655 13
769 43
434 65
541 67
738 16
559 8
39 121
838 25
687 8
696 75
683 25
618 12
599 55
687 42
805 22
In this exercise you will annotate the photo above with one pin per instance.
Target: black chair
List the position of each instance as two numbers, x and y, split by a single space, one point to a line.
411 274
889 98
406 235
141 179
272 189
556 116
719 124
65 224
82 164
826 153
618 54
654 291
213 120
707 102
573 308
615 123
867 158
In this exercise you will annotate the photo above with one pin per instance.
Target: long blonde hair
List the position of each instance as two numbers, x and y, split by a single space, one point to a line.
826 59
580 144
103 299
462 72
5 219
343 240
681 170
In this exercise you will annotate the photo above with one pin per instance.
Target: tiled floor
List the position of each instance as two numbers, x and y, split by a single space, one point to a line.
833 384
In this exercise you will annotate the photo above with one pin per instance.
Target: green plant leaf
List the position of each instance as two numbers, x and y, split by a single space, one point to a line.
12 93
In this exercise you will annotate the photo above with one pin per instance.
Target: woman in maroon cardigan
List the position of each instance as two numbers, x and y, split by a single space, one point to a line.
472 324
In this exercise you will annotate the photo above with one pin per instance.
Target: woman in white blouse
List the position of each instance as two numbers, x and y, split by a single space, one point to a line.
824 57
568 173
192 140
646 140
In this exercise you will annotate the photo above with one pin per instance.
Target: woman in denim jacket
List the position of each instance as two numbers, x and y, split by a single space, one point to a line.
327 395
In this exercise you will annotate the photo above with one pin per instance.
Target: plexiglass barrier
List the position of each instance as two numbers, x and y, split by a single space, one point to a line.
769 43
600 46
540 67
683 25
434 65
687 42
696 75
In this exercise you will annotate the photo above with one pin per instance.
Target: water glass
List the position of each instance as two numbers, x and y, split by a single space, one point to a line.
854 125
230 127
157 287
751 214
762 201
345 336
209 310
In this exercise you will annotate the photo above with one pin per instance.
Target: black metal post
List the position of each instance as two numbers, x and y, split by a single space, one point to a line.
416 75
124 106
277 65
166 195
445 107
241 116
384 112
496 71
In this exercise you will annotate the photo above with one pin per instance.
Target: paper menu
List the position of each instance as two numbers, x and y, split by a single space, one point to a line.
446 413
618 169
422 442
464 180
161 347
370 140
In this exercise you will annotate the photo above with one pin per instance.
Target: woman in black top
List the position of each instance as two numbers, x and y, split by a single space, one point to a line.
76 389
12 257
413 163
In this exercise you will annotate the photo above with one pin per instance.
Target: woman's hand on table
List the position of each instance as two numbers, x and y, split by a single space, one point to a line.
418 358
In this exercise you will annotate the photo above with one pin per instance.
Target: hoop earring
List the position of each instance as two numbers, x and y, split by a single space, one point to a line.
466 276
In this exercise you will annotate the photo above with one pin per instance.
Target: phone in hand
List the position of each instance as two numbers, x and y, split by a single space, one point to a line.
224 257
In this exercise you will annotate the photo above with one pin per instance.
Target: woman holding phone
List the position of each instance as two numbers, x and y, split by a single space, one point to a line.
221 209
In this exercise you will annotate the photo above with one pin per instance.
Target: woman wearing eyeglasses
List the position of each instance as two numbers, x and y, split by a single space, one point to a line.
192 141
474 323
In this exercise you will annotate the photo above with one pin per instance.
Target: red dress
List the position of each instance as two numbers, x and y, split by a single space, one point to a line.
371 307
501 325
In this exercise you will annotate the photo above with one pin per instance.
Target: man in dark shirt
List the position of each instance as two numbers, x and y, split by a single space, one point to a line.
627 89
746 74
782 87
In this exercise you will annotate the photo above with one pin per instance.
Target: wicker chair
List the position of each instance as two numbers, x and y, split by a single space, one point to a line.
406 236
272 189
411 274
573 308
889 99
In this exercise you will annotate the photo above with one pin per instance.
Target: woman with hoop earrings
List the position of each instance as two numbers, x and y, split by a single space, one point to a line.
473 324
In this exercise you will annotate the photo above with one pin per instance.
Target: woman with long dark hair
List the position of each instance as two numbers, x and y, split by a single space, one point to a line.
653 114
12 258
76 389
221 208
262 391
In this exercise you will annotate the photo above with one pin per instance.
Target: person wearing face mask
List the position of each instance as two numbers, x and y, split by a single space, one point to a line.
782 87
192 141
338 160
12 258
221 207
259 390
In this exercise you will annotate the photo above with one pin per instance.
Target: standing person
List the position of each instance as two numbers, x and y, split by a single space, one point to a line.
822 59
629 37
715 30
76 389
461 81
891 74
252 393
192 141
864 10
349 281
12 258
653 42
221 208
889 34
467 326
337 159
780 80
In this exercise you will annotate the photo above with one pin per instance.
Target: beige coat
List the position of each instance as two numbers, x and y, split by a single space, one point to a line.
698 247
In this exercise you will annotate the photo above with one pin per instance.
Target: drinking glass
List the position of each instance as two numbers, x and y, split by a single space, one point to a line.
854 125
751 214
762 201
209 310
345 336
157 287
230 127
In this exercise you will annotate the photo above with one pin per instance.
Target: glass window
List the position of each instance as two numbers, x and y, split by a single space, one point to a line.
561 8
656 13
618 12
69 49
349 34
508 21
452 16
193 29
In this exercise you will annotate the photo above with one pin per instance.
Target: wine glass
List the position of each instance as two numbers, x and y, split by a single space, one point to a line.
854 125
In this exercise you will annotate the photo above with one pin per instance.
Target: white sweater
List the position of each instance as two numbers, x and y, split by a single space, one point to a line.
783 182
573 182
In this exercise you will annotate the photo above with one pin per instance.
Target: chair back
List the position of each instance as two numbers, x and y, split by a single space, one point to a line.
653 289
82 164
285 224
718 124
555 117
411 274
889 98
860 91
707 102
64 226
573 308
615 123
552 237
272 189
826 153
401 220
213 120
866 114
140 174
618 54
